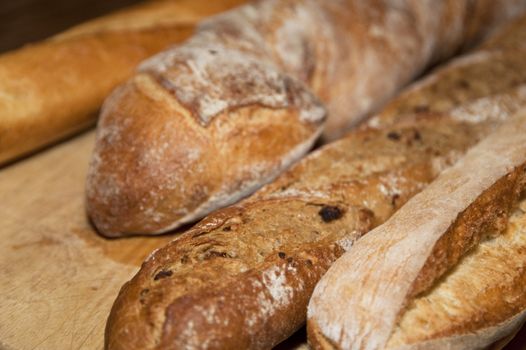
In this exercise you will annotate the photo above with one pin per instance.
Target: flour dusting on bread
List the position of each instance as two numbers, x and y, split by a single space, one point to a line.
494 108
228 65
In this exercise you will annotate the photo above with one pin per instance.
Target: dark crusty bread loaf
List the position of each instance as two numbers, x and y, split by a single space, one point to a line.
54 88
243 276
207 122
446 271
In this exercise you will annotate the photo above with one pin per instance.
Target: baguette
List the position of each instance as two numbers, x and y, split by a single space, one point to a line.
447 271
53 89
208 122
242 277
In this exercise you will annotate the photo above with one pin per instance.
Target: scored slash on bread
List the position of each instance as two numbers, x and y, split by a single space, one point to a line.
206 123
265 254
399 265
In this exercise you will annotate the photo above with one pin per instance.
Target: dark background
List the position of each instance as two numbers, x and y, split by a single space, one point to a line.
25 21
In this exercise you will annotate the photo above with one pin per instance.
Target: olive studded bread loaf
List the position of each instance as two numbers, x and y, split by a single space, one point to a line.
206 123
242 277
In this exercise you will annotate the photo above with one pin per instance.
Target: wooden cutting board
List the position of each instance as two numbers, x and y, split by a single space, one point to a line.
58 277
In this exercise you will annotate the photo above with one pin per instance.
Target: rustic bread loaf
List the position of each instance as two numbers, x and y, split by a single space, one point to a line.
53 89
447 271
243 276
204 124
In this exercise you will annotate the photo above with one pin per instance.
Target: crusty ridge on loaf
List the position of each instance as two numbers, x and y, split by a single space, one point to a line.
310 215
358 302
495 266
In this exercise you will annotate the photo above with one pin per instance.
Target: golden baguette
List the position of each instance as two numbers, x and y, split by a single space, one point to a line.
52 89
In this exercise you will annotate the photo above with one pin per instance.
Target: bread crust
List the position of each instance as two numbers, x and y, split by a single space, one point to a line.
491 309
477 69
412 37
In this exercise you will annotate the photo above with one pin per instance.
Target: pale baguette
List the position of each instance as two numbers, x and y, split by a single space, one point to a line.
243 276
52 89
447 271
208 122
